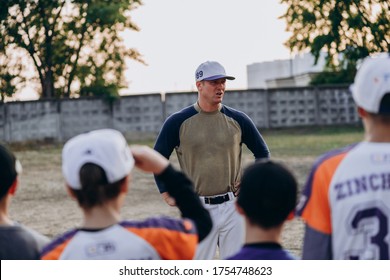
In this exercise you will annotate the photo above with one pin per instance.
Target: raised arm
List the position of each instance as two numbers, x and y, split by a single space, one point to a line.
177 185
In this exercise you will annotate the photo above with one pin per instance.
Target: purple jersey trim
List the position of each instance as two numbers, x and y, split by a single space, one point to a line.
322 159
162 222
262 252
59 240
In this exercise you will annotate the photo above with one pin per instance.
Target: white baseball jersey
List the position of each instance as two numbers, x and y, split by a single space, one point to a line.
347 200
152 239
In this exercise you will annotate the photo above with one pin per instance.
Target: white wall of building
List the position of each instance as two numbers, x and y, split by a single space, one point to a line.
263 74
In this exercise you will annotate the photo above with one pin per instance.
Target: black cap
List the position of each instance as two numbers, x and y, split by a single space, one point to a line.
8 169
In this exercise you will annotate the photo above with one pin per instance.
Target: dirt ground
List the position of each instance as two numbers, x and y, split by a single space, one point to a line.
42 203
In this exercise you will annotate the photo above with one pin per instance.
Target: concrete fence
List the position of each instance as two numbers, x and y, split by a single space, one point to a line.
58 120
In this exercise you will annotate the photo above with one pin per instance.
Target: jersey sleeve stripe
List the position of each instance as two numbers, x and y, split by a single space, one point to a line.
58 244
170 243
165 223
55 252
314 206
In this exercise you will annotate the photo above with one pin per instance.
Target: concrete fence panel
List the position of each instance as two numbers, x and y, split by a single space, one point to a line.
144 114
336 106
81 115
140 113
30 120
292 107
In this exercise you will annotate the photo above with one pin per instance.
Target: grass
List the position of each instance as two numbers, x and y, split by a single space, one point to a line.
311 141
303 141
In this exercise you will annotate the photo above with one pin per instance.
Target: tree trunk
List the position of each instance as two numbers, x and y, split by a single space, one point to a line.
48 85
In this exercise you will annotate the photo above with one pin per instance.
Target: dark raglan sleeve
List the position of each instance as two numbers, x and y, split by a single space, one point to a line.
166 142
316 245
180 187
252 138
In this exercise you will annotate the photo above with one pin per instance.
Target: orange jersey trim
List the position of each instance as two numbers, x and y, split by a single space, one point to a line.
170 244
56 252
317 210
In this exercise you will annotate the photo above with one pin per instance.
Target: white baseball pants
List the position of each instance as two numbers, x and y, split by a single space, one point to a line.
227 233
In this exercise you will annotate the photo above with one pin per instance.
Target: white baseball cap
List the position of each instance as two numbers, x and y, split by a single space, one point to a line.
372 83
211 70
106 148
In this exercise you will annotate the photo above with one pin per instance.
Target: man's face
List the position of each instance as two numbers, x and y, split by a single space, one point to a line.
211 91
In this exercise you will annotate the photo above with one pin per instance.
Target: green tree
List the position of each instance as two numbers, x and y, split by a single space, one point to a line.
75 45
11 71
347 30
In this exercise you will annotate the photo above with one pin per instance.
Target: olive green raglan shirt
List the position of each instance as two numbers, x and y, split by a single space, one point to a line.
209 146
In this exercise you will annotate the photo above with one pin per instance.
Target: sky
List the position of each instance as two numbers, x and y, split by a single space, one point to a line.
178 35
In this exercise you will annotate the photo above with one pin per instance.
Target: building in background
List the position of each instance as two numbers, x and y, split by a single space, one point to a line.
294 72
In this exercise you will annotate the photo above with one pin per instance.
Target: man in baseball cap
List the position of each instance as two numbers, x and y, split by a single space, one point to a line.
16 240
96 166
208 137
345 203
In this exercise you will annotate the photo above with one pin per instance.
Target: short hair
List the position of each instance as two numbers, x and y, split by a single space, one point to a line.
384 105
95 189
268 193
8 170
384 110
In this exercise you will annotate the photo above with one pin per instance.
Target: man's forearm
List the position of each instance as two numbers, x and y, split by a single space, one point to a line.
181 189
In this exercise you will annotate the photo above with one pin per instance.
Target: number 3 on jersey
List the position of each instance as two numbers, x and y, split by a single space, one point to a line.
371 223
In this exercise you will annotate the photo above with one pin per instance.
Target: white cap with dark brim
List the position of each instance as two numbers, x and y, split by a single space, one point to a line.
211 70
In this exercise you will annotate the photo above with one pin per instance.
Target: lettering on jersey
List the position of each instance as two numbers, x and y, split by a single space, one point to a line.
100 249
366 183
380 158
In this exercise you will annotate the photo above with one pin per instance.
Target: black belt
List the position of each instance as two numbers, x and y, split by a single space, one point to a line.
217 199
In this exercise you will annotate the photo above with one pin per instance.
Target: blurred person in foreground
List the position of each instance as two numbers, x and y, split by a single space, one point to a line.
17 242
346 200
96 166
267 199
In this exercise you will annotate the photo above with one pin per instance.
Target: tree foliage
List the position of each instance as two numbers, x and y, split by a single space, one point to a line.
346 30
11 72
74 45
